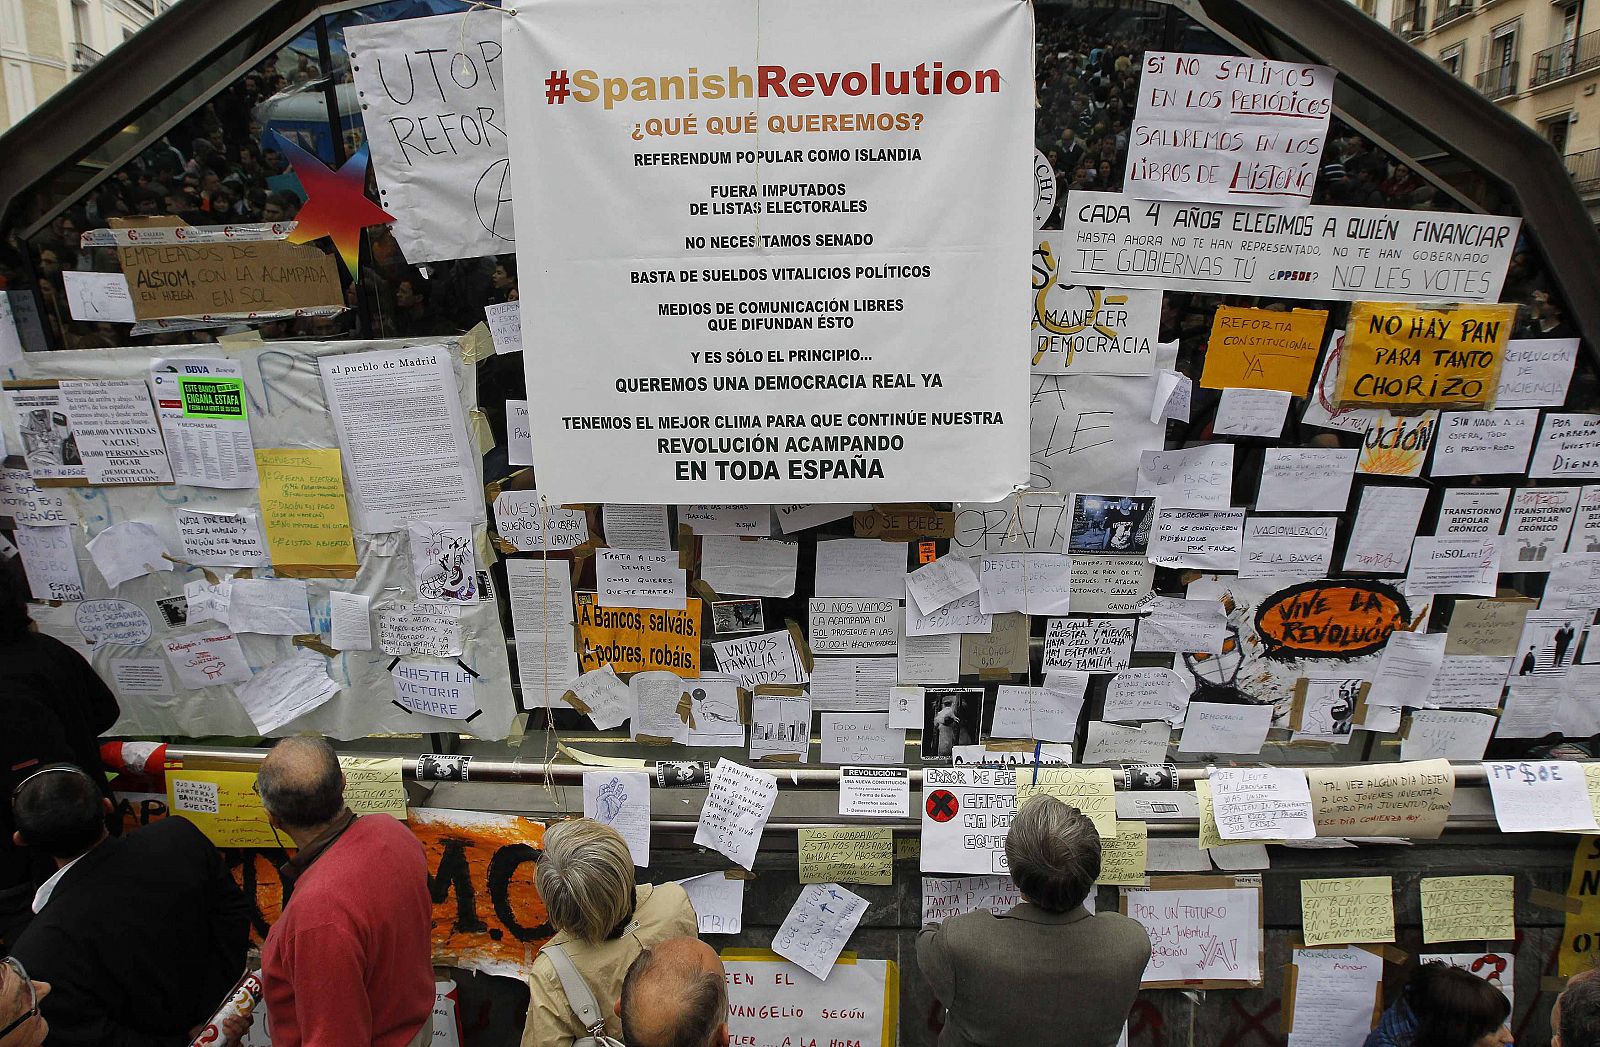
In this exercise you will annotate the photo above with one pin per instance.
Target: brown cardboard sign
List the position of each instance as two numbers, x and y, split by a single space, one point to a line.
249 276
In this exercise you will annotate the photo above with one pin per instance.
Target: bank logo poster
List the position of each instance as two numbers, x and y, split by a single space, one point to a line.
778 248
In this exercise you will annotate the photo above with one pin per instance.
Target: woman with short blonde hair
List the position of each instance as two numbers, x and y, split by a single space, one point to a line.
602 921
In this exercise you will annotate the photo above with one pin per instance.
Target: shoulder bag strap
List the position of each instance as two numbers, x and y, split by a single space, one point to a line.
579 996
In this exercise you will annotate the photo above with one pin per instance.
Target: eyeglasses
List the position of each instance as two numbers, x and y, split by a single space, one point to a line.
33 997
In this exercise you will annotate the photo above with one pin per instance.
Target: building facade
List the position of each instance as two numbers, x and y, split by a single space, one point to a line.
44 43
1537 59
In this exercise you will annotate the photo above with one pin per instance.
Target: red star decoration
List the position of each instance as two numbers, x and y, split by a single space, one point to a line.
337 205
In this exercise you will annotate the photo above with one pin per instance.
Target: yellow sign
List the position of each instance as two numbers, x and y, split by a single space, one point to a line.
1349 909
1580 939
1090 791
373 785
221 804
847 854
638 639
1468 908
1401 355
1263 349
304 512
1383 799
1123 856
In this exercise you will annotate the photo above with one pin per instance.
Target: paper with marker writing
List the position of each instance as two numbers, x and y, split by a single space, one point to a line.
505 324
1200 934
274 606
1087 789
1469 681
763 658
1195 477
26 502
1483 442
608 699
1468 908
819 925
1540 796
1239 730
944 897
524 519
1152 693
1406 670
286 690
1203 539
860 567
1446 734
1002 650
846 854
1298 479
1261 803
98 297
860 738
221 539
853 625
1347 909
207 659
1041 713
1386 523
127 550
1251 412
621 799
963 615
735 566
639 578
351 628
303 508
942 582
519 435
1335 990
221 804
1095 645
1574 582
1487 627
430 629
1123 856
1116 743
718 902
1536 372
1175 624
1410 800
750 521
374 785
49 562
656 696
805 516
1034 583
629 526
736 810
1207 836
1287 546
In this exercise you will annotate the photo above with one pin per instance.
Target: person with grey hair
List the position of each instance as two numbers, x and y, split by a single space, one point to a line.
1575 1018
1047 971
350 961
603 923
675 995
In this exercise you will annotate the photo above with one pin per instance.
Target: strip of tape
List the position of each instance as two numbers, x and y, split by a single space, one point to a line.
1551 900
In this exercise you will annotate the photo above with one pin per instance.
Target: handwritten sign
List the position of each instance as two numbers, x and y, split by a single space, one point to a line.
1096 645
1410 800
229 277
374 785
1347 909
1088 791
1200 935
1569 445
304 511
1401 355
1468 908
846 854
1089 330
1263 349
221 804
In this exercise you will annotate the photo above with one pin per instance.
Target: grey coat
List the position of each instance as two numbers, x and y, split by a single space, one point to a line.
1034 977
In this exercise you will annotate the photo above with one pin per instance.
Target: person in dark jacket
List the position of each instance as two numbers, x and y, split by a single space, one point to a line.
1444 1006
140 937
30 738
54 675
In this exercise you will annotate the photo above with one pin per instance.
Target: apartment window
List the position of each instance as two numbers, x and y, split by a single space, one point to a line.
1454 58
1503 45
1555 131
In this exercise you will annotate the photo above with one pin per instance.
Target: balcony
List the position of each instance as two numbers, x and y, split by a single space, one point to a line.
1568 58
1499 82
83 57
1412 23
1452 11
1584 168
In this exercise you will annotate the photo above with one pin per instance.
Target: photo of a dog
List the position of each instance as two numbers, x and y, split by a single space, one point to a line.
951 717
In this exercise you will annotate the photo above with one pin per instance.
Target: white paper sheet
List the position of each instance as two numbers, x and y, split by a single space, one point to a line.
861 738
819 925
748 521
445 690
1446 734
1200 934
874 792
1483 442
286 690
1096 645
1300 479
1251 412
621 799
1566 447
1194 477
1462 566
519 437
1335 989
420 628
222 539
119 440
351 621
607 697
125 551
1536 372
928 659
640 578
780 725
1469 681
853 625
204 411
1203 539
1386 523
1118 743
1238 730
1536 528
792 518
1287 546
1035 583
763 658
1472 511
718 902
736 810
98 297
735 566
1039 713
444 567
1179 625
1152 693
528 523
1261 803
1406 668
207 659
656 697
50 562
964 615
630 526
540 593
860 567
1540 796
941 582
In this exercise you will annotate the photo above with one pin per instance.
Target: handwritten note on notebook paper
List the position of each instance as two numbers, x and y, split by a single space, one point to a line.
736 810
1261 803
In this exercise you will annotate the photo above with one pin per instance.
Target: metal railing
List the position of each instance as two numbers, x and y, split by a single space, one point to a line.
1568 58
1500 81
1584 167
84 56
1450 12
1412 23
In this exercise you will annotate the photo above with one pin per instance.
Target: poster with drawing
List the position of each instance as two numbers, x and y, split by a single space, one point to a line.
442 562
1549 644
431 95
1276 634
48 442
1088 330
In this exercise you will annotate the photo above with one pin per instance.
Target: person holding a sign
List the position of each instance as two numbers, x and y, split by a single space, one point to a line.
1047 971
603 923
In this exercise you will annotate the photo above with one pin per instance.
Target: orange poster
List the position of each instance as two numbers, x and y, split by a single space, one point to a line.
1263 349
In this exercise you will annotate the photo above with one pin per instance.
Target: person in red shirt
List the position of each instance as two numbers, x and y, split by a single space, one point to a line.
350 961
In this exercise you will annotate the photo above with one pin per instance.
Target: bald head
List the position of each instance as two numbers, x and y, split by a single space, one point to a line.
301 783
675 995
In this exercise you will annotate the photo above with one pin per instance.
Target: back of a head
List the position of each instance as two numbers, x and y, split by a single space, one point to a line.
675 995
59 811
1580 1013
301 783
1453 1007
586 878
14 619
1054 853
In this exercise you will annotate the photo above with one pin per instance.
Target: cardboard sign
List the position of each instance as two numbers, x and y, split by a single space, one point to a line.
250 276
1401 355
1263 349
638 639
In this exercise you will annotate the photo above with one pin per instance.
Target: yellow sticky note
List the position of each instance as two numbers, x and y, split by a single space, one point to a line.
847 854
373 785
304 512
221 804
1468 908
1263 349
1210 838
1591 775
1580 937
1122 857
1348 909
1090 791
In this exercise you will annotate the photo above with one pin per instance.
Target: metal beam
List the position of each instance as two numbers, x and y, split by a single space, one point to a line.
1421 92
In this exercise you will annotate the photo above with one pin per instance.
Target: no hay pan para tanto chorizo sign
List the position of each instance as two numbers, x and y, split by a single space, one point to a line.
1408 356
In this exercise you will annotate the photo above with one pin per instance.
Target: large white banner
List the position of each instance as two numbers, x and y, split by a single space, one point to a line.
1341 254
1236 130
431 100
780 247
